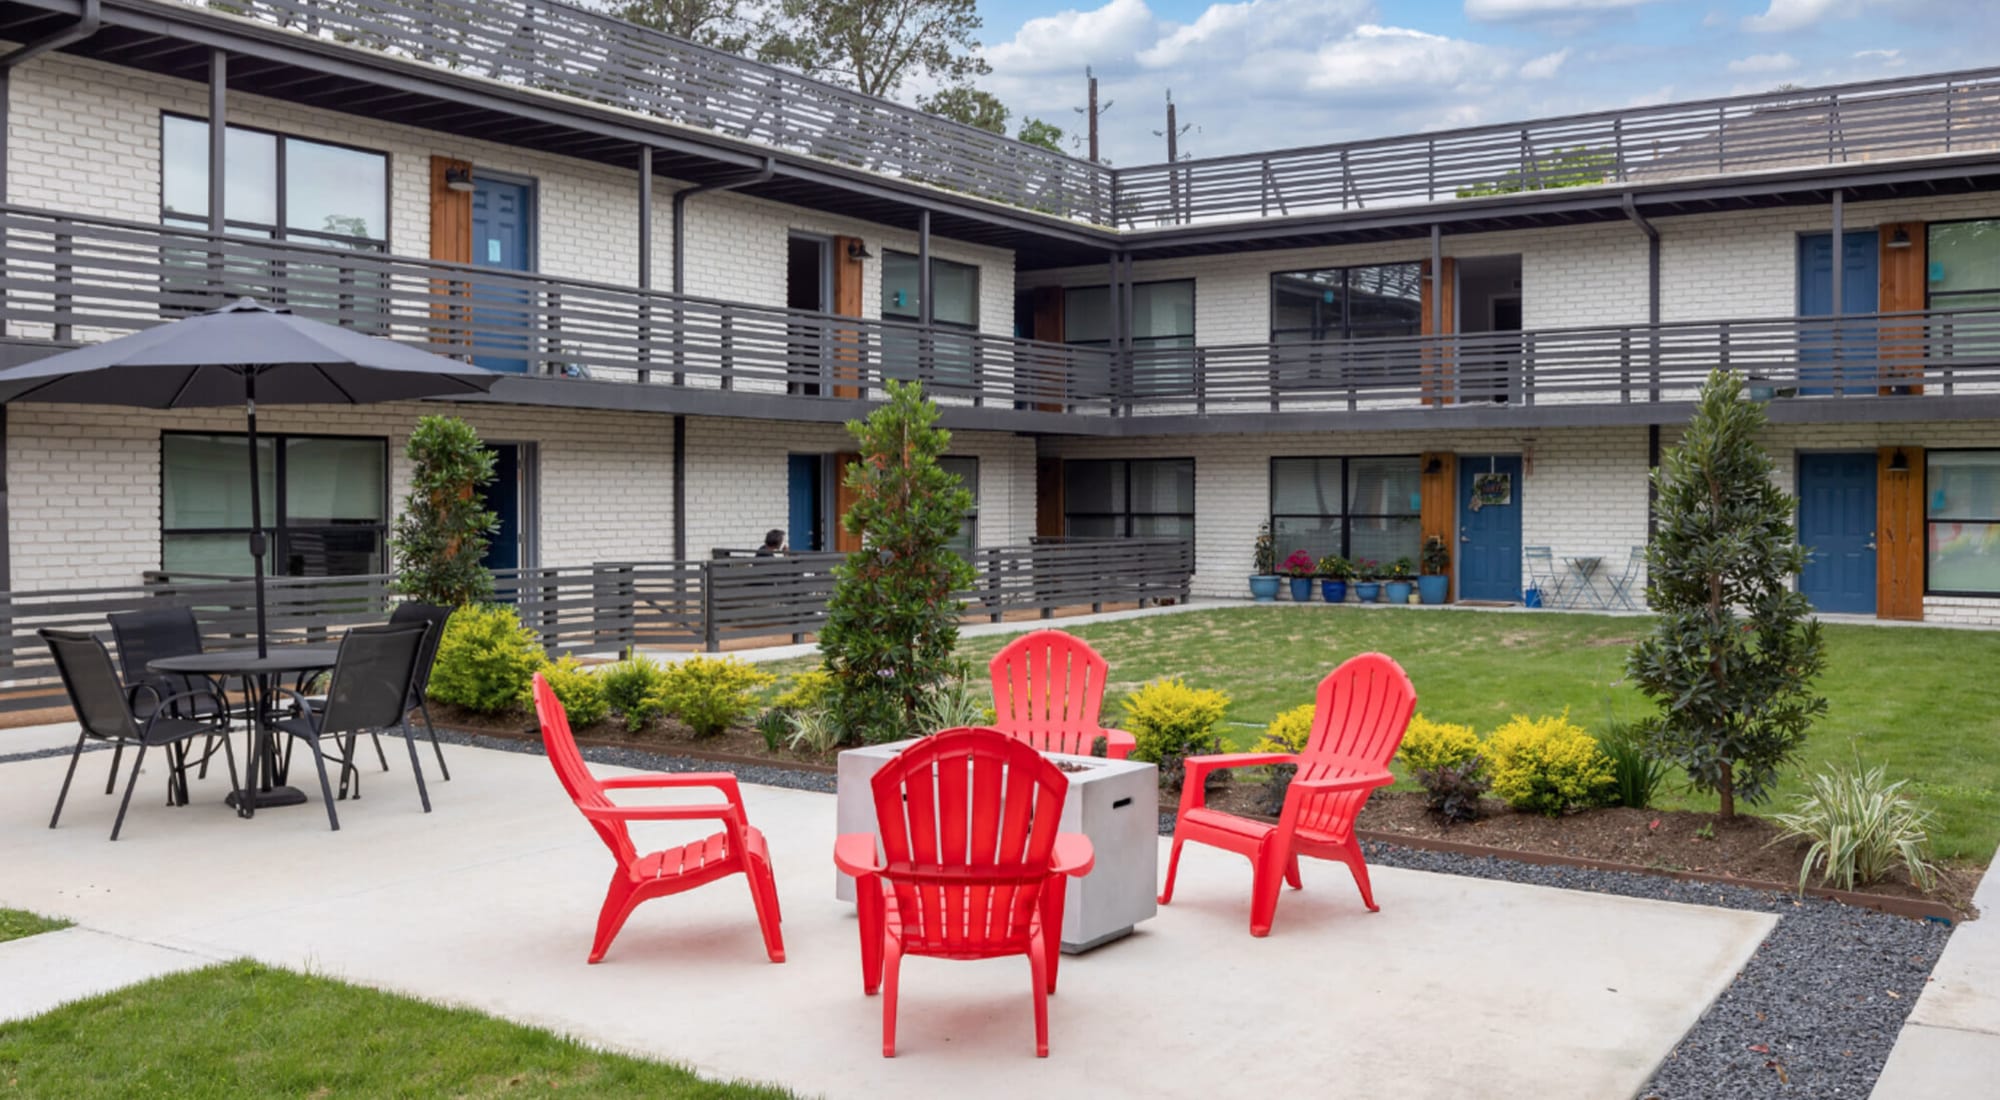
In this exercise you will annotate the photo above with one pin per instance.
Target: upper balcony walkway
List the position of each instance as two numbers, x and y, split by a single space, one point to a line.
67 279
597 61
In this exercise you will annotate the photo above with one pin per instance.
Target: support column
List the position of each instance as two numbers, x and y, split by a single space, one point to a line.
218 127
1114 301
1839 288
646 262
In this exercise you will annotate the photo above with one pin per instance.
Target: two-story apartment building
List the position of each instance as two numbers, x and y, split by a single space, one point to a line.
694 268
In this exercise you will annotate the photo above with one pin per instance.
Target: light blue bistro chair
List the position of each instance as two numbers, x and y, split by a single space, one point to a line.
1624 585
1541 572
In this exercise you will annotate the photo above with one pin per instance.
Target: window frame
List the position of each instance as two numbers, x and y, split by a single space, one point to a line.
1346 314
1930 297
1138 342
275 533
1928 520
978 286
1347 515
281 231
971 517
1126 515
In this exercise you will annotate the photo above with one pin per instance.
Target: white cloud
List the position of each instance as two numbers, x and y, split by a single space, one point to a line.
1764 63
1495 11
1791 15
1888 59
1545 66
1069 40
1380 61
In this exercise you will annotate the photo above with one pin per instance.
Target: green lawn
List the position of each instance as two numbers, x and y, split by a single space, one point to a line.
1916 699
16 923
240 1029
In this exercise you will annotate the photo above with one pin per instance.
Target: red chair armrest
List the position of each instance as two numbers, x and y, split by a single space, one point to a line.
721 781
1117 739
722 811
1367 781
854 854
1073 856
1198 767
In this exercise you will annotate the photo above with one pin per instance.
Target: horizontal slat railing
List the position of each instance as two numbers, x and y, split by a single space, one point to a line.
555 47
67 278
605 608
1873 121
1935 352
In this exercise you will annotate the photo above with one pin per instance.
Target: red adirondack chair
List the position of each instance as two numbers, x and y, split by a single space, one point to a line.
1359 717
738 847
974 866
1047 689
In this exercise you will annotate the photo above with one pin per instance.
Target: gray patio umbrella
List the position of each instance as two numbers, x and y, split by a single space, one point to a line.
240 353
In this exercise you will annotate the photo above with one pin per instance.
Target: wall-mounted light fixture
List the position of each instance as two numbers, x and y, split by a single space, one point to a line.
1899 239
1899 463
458 177
858 251
1434 466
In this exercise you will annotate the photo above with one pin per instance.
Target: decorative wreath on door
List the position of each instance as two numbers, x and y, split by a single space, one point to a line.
1492 488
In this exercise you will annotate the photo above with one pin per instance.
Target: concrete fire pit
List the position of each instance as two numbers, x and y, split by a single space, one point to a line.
1116 803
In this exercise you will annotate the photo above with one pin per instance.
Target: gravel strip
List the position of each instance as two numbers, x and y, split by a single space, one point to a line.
60 750
1812 1014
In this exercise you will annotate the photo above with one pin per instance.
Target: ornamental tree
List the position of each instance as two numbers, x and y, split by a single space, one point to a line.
442 533
1733 655
892 622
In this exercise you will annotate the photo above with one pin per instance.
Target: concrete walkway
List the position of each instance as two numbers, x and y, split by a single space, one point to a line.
1459 987
1950 1045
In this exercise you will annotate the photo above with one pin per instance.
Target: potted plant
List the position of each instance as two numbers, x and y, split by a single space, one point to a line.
1335 571
1299 567
1367 588
1435 580
1400 573
1264 581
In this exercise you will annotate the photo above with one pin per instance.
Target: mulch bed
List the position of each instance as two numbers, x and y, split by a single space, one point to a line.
1662 840
739 743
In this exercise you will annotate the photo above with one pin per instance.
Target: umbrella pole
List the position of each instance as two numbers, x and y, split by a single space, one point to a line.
256 509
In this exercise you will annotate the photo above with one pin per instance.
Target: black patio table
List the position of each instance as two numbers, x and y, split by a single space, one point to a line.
260 676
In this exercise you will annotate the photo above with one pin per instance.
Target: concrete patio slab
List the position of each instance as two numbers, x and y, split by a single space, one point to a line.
1950 1045
39 972
1458 987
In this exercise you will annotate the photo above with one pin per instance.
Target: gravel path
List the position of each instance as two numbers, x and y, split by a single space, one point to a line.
1813 1014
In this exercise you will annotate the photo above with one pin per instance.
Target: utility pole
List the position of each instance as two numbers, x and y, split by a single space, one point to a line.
1173 133
1092 111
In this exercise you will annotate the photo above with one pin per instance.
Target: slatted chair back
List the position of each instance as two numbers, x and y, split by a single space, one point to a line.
583 788
91 680
370 688
1048 688
968 823
1359 716
149 634
434 617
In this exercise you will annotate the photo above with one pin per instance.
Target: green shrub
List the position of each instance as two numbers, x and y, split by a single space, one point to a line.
710 694
627 685
442 530
807 690
774 726
1861 825
579 690
1548 765
486 660
1428 745
1638 773
955 703
1452 791
813 730
1171 722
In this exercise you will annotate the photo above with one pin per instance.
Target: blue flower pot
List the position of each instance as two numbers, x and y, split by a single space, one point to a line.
1432 589
1302 589
1333 591
1398 592
1367 591
1531 597
1264 589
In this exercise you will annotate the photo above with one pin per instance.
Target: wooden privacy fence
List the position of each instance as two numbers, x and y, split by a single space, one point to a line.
608 607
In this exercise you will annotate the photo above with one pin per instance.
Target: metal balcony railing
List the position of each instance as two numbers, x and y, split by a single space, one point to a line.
71 279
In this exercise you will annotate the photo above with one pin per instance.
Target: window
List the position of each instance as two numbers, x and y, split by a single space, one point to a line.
1359 508
1162 315
955 284
1120 498
277 186
967 469
325 504
1962 522
1344 303
1964 263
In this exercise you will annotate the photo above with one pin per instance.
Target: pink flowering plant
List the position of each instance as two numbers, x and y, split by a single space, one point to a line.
1300 564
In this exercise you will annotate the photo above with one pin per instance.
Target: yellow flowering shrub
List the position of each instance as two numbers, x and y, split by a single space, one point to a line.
1288 731
1547 765
1171 722
1428 745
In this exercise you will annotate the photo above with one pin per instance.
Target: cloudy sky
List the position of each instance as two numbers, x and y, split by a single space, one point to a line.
1273 73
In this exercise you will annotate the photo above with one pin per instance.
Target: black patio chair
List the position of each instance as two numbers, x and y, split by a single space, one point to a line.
146 636
106 713
368 692
434 617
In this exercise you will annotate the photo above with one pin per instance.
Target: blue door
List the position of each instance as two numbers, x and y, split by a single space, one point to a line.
1859 293
502 237
503 496
1837 525
802 524
1489 535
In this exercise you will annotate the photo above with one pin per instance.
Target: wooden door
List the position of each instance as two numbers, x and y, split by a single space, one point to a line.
1899 534
1437 366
